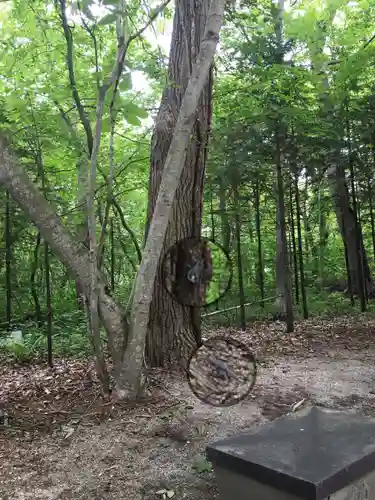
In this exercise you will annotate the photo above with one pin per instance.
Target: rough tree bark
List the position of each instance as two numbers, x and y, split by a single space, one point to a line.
171 179
170 321
283 275
350 227
346 219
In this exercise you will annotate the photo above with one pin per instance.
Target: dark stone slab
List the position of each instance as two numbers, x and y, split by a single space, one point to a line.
311 454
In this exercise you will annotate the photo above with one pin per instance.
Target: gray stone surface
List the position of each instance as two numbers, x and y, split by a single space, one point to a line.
234 486
310 454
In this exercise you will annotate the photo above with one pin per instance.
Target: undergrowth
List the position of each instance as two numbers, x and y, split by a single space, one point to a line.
69 336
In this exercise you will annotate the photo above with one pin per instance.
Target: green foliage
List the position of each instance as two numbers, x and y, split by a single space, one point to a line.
69 339
108 19
253 93
202 466
18 351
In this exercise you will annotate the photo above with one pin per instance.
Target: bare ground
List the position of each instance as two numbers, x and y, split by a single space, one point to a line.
64 443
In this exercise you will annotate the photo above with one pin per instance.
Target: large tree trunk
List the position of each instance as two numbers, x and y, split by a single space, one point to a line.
283 277
171 180
71 252
284 301
348 224
170 321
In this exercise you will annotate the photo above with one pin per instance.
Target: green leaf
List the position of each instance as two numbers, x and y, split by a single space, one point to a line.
128 64
86 3
202 465
108 19
106 124
132 109
86 9
153 12
110 2
126 82
133 120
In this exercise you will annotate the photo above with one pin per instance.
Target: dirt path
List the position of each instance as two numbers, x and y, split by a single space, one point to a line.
141 451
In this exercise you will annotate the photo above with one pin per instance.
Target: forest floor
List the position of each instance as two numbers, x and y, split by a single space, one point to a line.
62 442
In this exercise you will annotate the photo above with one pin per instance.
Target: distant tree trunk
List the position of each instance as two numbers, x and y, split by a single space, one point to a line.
173 328
237 223
293 242
300 252
47 271
260 266
351 232
34 291
212 216
360 249
290 251
283 278
358 206
225 228
250 264
347 221
306 228
323 238
348 275
8 259
371 208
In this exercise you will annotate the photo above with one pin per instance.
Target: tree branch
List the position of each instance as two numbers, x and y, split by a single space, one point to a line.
71 252
114 79
73 85
128 229
131 379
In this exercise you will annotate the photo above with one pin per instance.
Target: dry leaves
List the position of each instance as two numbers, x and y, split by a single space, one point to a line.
310 337
35 396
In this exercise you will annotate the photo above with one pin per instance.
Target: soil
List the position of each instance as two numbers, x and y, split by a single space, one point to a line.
62 441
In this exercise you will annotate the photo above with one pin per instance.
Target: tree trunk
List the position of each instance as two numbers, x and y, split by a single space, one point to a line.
250 265
300 248
47 271
260 265
112 244
347 222
293 242
371 209
171 321
351 232
33 287
8 259
237 225
323 238
360 250
305 212
283 278
225 227
131 381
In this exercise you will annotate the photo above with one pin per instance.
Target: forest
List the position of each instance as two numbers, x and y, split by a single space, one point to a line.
130 126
